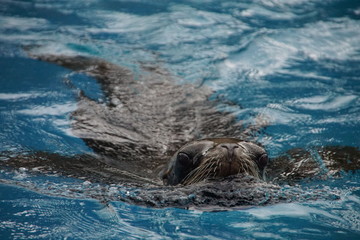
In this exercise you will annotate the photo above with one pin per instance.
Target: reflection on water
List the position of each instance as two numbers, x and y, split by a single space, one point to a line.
295 62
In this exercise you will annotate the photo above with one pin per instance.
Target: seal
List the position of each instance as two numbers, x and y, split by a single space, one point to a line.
145 118
215 158
137 133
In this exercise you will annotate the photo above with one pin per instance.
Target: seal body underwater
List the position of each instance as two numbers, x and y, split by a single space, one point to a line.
145 118
139 133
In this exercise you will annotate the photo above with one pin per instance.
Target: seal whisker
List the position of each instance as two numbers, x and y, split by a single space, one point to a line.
202 172
199 173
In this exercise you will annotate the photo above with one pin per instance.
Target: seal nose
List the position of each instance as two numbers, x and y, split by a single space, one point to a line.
230 147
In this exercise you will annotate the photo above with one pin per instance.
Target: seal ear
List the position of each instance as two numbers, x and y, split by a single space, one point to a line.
258 153
262 161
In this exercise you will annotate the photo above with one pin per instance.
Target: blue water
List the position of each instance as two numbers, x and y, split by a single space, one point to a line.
295 62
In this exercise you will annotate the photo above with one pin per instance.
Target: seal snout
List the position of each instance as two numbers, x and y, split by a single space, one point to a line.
230 147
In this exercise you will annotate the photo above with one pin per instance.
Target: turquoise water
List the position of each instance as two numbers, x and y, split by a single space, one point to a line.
297 63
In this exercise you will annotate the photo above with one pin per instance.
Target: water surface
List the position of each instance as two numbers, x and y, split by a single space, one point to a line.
297 63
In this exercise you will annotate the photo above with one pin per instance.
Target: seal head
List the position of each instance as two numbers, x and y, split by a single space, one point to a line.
214 158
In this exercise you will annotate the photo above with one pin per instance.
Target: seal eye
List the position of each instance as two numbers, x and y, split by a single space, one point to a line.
183 159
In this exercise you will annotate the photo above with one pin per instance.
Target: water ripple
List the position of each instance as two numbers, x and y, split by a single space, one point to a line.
296 62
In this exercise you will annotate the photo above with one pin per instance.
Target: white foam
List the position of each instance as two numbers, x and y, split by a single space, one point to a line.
289 210
55 110
325 103
23 24
20 96
273 51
